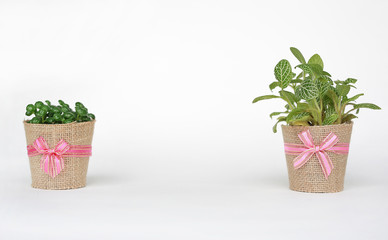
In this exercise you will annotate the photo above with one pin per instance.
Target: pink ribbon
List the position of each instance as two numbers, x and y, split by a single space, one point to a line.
52 161
306 150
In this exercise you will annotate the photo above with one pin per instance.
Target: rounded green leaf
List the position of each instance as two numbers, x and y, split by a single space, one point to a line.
38 104
306 68
307 90
342 90
283 73
323 87
316 59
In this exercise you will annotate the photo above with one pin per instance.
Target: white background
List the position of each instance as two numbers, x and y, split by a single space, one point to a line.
179 150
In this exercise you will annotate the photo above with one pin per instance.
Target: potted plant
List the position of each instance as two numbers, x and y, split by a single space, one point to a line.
318 114
59 144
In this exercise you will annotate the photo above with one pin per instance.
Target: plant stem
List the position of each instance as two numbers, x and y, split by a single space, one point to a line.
319 112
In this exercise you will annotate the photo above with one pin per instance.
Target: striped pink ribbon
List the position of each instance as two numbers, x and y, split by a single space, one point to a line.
306 150
52 161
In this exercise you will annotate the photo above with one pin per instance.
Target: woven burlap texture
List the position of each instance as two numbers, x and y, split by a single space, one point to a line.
310 178
74 173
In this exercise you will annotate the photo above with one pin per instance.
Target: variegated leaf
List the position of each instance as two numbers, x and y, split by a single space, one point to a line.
330 119
283 73
307 90
323 86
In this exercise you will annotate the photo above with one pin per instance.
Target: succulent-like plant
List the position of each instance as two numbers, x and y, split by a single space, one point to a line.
51 114
312 97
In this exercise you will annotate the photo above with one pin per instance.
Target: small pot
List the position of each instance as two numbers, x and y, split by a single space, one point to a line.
75 169
310 177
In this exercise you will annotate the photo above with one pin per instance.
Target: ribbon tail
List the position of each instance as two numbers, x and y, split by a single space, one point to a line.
302 158
325 162
45 163
58 164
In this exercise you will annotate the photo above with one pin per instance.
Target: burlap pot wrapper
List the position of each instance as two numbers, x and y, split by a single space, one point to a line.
59 154
316 156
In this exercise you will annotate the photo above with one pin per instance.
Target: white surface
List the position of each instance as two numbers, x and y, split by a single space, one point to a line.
179 150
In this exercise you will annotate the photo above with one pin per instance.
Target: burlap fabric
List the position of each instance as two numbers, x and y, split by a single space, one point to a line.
74 173
310 178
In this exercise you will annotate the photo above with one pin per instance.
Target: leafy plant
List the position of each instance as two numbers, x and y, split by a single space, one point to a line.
51 114
312 97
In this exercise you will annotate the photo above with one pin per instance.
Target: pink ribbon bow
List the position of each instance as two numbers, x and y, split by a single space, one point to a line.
306 150
52 161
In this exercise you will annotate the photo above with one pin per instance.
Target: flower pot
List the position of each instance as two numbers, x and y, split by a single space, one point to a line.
310 177
73 174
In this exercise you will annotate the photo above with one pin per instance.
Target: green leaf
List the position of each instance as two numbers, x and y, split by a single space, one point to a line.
273 85
288 96
350 80
326 78
296 81
348 118
280 119
326 73
301 108
300 75
330 119
275 114
283 73
367 105
298 54
317 69
354 98
323 86
343 90
316 59
264 98
306 68
333 96
301 119
307 90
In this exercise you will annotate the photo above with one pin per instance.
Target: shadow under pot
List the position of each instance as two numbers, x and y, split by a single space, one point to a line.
59 154
316 156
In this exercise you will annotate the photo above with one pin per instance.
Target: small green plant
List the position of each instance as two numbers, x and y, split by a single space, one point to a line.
312 97
51 114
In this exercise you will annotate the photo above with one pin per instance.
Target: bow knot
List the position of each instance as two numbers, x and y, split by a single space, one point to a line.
52 160
317 149
306 150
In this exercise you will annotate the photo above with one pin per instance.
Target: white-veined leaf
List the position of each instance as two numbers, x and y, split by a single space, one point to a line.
330 119
283 73
306 68
307 90
323 86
